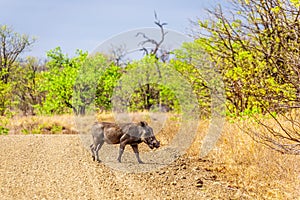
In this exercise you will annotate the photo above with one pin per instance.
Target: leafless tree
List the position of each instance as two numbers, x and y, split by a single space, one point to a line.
118 55
157 50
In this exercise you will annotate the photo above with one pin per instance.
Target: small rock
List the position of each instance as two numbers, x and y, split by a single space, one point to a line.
214 177
199 183
161 173
203 160
173 183
208 169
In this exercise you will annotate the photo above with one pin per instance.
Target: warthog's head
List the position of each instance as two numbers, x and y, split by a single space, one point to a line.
148 136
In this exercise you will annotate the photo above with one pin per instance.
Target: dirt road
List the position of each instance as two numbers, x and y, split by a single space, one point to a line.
60 167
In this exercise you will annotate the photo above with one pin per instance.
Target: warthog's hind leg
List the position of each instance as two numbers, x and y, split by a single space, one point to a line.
92 150
95 149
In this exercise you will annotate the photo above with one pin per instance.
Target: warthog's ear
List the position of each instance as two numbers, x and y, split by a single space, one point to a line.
143 123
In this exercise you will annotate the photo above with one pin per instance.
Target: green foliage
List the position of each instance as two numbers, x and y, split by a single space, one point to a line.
11 46
3 130
296 3
5 97
106 84
256 52
58 81
26 79
144 87
87 80
43 128
3 123
25 131
150 84
192 65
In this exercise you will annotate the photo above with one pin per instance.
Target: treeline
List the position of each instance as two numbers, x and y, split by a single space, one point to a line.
62 85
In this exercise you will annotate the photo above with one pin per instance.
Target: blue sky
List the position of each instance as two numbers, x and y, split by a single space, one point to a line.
78 24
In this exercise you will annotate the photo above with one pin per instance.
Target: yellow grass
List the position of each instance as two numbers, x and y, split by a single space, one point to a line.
262 172
39 124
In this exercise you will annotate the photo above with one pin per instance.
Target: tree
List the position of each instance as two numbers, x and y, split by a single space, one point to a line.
257 50
150 94
157 49
12 44
106 84
88 80
58 81
168 89
27 78
147 86
5 97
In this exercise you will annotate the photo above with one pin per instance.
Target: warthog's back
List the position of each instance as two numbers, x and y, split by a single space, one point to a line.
110 132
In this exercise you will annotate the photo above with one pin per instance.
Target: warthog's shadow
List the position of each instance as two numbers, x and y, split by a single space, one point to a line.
153 160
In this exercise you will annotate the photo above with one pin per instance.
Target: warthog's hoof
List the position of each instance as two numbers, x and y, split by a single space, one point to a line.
141 162
93 158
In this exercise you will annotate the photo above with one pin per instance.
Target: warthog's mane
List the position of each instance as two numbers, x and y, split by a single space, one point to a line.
112 124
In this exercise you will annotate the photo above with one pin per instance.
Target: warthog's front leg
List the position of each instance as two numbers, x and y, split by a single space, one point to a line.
121 150
136 152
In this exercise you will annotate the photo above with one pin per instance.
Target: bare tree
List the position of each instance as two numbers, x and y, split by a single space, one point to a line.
157 50
118 55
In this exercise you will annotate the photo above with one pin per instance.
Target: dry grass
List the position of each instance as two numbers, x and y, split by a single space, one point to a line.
255 169
40 124
244 165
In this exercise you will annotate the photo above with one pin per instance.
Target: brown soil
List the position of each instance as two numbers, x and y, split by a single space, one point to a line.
60 167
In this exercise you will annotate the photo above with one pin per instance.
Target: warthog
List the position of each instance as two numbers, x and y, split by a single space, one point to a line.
123 134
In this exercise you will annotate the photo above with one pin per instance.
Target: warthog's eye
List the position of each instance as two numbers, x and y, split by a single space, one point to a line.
151 139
